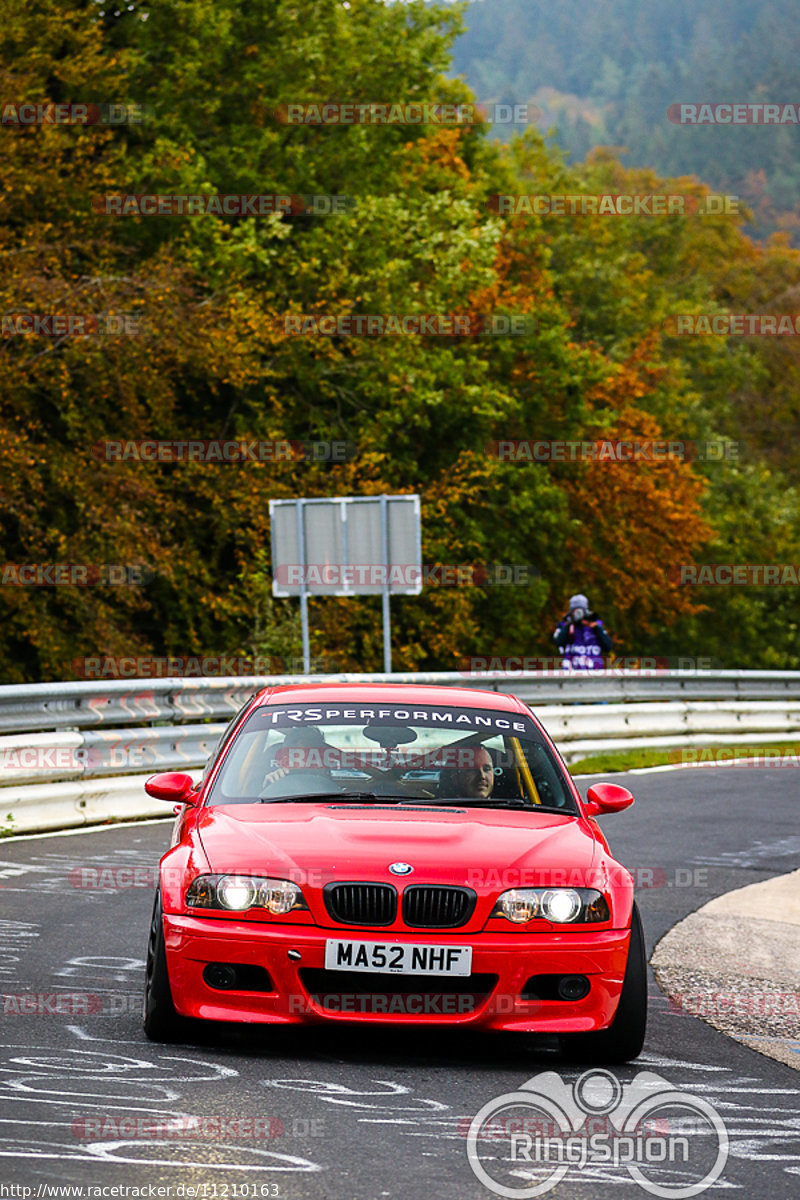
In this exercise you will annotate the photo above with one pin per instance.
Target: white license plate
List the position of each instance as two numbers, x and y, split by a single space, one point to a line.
407 958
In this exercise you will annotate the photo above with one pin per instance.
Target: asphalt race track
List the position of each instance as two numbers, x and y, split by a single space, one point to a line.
350 1114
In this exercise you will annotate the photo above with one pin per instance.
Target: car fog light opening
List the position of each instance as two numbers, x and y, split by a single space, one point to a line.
220 976
573 987
239 977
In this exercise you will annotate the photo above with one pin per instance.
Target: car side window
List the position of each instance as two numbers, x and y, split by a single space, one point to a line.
549 784
215 753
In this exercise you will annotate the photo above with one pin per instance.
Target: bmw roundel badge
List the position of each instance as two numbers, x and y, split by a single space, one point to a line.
401 868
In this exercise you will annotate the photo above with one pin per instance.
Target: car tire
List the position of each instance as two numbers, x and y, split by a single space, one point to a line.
160 1020
624 1038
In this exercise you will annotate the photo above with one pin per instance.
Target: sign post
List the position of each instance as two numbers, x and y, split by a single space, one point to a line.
387 633
346 546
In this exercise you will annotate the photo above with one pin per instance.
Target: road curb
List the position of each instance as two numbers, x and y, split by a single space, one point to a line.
736 967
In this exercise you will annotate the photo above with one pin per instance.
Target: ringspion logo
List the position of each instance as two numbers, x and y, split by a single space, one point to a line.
671 1143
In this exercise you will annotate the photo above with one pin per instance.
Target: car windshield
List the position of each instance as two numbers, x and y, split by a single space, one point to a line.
391 754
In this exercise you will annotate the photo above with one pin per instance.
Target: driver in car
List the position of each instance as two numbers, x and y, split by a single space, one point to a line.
472 782
316 760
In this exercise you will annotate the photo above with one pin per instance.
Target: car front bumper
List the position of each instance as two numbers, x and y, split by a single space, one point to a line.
301 991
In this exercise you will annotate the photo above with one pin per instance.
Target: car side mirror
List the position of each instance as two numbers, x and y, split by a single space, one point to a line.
172 786
606 798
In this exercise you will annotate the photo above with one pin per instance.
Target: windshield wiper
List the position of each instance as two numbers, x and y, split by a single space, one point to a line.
307 797
473 803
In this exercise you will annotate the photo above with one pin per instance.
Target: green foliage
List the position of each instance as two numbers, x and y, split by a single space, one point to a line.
213 358
275 632
604 72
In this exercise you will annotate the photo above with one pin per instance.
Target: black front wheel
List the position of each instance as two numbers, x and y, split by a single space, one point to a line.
624 1038
160 1020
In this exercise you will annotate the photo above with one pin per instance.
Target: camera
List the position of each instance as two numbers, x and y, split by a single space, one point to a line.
576 615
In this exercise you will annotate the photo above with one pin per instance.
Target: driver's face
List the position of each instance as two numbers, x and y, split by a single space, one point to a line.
477 782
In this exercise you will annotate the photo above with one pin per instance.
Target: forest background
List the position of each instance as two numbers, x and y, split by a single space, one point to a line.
210 358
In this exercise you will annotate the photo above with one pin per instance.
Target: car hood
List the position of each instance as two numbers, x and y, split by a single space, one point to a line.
324 842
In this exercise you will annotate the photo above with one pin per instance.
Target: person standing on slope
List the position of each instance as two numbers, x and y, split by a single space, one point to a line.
581 637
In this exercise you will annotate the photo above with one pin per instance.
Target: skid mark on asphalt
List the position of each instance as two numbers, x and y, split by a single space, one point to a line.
79 1083
763 1123
389 1096
759 854
109 968
95 876
15 937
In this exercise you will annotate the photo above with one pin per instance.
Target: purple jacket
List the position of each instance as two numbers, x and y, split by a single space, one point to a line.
585 649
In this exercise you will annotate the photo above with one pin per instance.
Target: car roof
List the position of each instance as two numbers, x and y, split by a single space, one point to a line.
392 693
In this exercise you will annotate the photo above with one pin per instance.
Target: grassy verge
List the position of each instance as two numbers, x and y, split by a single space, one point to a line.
630 760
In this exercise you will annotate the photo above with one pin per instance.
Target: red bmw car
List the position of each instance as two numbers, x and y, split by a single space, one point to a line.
395 853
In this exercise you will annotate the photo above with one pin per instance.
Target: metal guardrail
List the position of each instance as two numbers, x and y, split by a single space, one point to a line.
81 705
76 752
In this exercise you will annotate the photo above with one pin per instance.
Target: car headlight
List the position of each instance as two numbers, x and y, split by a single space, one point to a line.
236 893
281 896
518 905
563 906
